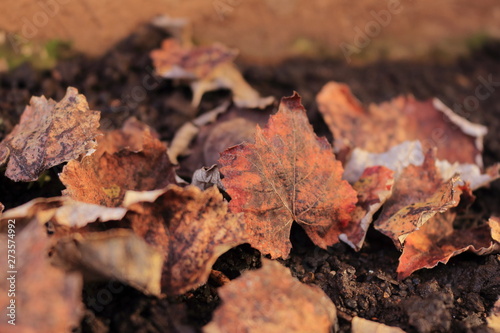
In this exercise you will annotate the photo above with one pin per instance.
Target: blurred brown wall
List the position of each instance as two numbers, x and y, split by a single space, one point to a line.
267 29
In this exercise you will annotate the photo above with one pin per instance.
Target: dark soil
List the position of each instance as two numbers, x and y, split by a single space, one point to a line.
452 298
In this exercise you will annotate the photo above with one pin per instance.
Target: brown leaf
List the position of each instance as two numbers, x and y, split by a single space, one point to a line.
192 227
399 120
418 194
374 187
271 300
46 298
360 325
288 174
437 241
49 133
128 159
205 178
116 254
208 68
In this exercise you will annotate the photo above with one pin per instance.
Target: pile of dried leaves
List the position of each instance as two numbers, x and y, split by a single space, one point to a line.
409 167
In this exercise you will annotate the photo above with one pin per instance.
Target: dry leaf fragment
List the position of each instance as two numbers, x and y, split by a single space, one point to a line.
288 174
418 194
360 325
437 241
191 227
205 178
373 188
128 159
494 317
49 133
271 300
208 68
46 298
399 120
116 254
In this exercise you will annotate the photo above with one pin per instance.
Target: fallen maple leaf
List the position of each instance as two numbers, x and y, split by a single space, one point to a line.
49 133
288 174
271 300
128 159
191 227
437 241
399 120
361 325
208 68
373 188
46 298
418 194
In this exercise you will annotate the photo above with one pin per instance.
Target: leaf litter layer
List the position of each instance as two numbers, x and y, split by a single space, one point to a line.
359 284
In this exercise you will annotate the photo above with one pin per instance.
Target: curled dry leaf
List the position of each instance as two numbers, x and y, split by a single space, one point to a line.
116 254
373 188
64 211
208 68
360 325
191 227
430 122
418 194
49 133
46 298
410 153
205 178
437 241
271 300
128 159
288 174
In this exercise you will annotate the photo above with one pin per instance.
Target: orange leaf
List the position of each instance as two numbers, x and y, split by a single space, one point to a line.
271 300
419 193
437 241
399 120
128 159
288 174
49 134
192 228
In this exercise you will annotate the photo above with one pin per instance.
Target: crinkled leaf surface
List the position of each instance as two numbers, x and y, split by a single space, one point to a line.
374 187
418 194
128 159
49 133
437 241
399 120
191 227
288 174
271 300
46 298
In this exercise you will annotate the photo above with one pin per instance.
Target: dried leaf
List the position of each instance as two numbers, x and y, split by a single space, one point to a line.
46 298
360 325
437 241
116 254
374 187
411 153
288 174
49 133
399 120
192 227
494 317
128 159
64 211
205 178
208 68
418 194
271 300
